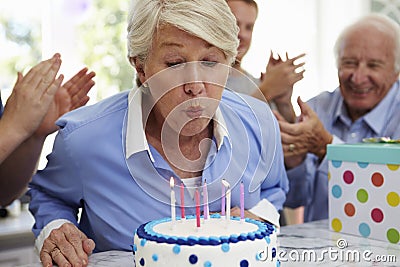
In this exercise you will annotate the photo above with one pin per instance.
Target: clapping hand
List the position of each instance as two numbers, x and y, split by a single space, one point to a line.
71 95
308 135
277 83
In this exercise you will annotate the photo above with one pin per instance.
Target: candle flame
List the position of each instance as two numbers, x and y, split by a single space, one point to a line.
171 182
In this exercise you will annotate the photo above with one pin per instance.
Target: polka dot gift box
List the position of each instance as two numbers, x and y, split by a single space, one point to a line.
364 190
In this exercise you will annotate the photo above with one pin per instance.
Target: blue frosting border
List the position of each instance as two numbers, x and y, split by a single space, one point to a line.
145 231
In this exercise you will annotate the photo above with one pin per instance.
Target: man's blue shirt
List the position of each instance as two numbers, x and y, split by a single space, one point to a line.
309 180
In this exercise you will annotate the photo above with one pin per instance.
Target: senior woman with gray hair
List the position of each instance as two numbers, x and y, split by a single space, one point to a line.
115 160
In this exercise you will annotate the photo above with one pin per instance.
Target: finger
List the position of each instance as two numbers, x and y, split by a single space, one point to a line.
44 78
292 129
48 95
46 259
82 89
287 56
305 109
288 139
83 101
79 79
88 246
74 247
299 65
297 57
271 55
41 71
59 258
278 116
79 86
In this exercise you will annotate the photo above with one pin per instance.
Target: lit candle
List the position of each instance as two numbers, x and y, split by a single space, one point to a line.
228 199
205 199
182 202
171 184
197 196
242 201
223 199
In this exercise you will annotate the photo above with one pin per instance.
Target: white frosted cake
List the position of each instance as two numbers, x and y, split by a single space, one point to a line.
217 242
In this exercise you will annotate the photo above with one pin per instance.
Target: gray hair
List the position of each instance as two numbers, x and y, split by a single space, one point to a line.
210 20
379 22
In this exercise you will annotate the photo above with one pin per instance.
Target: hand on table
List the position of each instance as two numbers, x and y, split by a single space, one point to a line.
66 246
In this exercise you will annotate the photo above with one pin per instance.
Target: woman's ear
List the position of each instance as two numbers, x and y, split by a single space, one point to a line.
139 66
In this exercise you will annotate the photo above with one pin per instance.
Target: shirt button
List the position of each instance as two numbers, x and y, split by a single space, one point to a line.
353 135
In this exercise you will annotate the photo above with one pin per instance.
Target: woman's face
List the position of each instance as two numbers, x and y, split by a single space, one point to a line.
186 77
246 15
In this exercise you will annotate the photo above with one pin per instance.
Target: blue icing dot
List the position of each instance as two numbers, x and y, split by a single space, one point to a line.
176 249
363 165
278 263
273 252
141 262
268 239
143 242
244 263
336 163
364 229
134 247
225 247
155 257
193 259
207 264
336 191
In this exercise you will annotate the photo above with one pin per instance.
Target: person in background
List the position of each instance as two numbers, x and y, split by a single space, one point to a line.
114 160
276 85
366 104
29 116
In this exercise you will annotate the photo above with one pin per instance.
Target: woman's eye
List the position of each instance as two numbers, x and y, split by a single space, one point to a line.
209 63
174 64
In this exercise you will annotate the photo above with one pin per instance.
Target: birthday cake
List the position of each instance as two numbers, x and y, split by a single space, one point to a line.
217 242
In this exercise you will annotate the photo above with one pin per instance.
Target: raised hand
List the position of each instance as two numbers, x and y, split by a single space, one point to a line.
281 75
31 98
71 95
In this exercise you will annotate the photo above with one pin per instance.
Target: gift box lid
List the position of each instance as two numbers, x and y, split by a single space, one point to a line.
379 153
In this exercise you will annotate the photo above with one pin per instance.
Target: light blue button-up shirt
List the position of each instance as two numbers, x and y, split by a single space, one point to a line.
101 162
309 181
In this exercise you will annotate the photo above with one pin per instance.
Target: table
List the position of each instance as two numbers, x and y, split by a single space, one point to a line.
16 232
309 244
313 244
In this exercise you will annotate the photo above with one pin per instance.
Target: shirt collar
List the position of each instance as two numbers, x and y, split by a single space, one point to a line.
374 118
135 136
